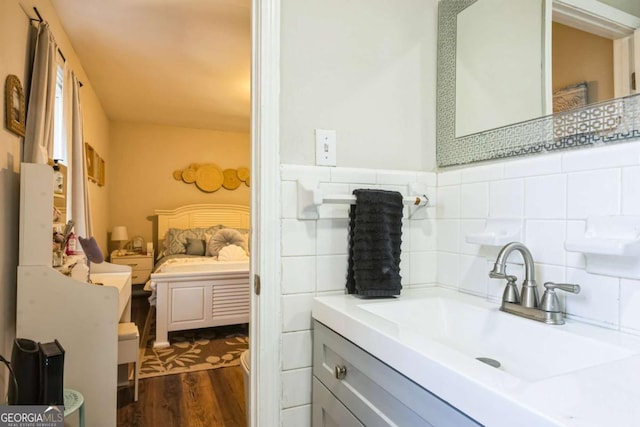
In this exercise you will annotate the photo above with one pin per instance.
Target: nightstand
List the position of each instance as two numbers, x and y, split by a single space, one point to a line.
141 266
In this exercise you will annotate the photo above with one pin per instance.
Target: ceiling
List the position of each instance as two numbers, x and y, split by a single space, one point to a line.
174 62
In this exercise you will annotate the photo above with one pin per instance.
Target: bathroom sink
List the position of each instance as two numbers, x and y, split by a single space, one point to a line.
523 348
568 375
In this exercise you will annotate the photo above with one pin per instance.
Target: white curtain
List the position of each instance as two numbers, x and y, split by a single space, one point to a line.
79 208
39 128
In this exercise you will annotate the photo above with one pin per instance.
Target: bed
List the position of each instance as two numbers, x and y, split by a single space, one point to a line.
200 292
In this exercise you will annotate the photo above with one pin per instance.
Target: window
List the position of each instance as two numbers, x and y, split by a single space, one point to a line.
61 150
59 132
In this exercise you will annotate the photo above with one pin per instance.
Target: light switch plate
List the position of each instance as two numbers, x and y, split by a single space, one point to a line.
325 147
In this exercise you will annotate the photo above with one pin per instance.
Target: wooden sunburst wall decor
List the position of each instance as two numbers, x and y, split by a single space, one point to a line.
209 178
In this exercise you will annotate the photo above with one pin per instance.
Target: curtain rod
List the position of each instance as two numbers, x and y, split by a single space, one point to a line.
35 9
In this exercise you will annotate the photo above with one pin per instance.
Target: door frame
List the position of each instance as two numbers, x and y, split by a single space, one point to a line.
608 22
265 214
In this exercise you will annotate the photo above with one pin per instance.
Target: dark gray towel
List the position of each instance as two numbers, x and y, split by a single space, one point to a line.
375 236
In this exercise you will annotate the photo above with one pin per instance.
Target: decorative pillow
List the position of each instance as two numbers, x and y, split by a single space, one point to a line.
207 239
247 240
175 241
232 253
225 237
195 246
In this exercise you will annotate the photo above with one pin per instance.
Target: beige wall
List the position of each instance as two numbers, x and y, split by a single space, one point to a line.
578 56
14 30
140 172
366 68
96 132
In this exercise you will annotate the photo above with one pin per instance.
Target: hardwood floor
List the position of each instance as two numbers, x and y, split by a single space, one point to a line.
212 398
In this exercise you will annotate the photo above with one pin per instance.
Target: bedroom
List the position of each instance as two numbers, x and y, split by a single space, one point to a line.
155 119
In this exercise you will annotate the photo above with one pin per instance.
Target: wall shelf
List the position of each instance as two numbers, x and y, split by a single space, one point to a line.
310 197
497 232
611 246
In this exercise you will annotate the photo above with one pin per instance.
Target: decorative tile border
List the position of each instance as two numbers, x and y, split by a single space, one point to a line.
608 122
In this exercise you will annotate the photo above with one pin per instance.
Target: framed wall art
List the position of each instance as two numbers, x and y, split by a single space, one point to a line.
101 171
90 157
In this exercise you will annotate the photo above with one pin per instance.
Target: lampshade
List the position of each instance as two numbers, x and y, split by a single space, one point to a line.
119 233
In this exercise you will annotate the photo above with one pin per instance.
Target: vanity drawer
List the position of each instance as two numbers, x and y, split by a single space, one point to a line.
328 411
374 392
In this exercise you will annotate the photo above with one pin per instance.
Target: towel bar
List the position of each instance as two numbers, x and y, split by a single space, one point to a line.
310 198
422 200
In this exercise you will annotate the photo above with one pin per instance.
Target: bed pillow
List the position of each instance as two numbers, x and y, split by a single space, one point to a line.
195 246
209 235
175 240
207 240
225 237
232 253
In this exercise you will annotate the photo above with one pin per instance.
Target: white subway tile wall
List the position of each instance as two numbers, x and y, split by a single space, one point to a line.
314 262
331 272
474 200
298 350
552 194
630 305
561 190
546 197
506 198
299 416
296 272
448 205
593 193
631 191
296 387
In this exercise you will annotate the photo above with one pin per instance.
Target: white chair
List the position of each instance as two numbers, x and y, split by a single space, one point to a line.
128 350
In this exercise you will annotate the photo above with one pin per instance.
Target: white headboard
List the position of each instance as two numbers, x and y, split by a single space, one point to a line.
201 215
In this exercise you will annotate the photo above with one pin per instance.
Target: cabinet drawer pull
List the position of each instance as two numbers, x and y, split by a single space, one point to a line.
340 372
132 265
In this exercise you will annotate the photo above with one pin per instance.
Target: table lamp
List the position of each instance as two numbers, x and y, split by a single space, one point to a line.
119 234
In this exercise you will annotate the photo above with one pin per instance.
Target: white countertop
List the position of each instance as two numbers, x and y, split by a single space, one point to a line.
606 394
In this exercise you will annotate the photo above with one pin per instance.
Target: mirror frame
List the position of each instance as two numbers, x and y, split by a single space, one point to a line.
607 122
15 114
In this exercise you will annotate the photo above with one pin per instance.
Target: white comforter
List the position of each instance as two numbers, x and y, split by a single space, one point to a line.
180 265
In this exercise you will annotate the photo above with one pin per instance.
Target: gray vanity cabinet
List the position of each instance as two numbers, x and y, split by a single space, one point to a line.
328 411
353 388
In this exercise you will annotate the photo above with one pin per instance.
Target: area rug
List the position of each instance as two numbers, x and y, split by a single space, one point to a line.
193 350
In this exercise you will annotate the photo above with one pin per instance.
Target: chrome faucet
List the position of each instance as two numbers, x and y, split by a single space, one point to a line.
526 304
529 296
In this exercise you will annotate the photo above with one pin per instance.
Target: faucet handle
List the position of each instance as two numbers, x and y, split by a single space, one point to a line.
550 300
511 293
567 287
